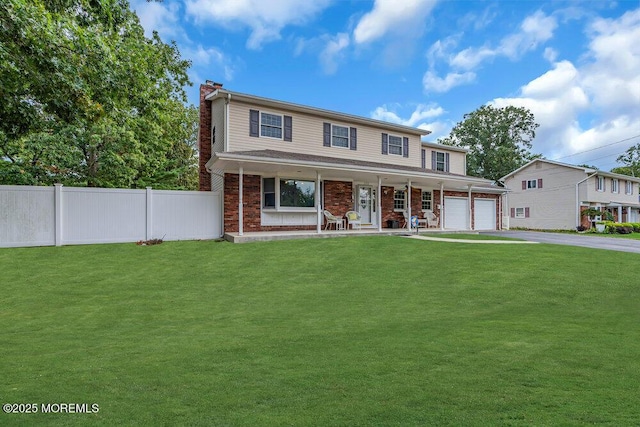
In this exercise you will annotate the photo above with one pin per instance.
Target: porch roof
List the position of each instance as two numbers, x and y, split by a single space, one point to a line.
300 165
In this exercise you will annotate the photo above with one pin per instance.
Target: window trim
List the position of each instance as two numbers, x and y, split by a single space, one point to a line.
519 213
615 185
532 184
260 113
396 199
278 195
628 187
423 201
600 183
389 145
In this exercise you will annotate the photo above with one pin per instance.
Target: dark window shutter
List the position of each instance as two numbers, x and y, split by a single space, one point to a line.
524 185
433 160
539 182
405 147
513 212
254 123
526 212
288 128
326 141
446 162
353 139
424 158
385 143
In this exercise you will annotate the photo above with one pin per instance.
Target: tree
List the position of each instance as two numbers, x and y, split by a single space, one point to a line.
87 99
631 161
498 140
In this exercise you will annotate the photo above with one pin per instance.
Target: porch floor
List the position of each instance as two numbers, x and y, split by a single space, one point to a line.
262 236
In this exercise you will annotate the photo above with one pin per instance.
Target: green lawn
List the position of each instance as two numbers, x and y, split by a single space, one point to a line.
355 331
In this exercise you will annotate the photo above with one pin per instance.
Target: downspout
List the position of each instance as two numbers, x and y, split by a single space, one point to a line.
226 122
577 201
470 209
504 203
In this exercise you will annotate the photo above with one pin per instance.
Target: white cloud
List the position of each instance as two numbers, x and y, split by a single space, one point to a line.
432 83
160 17
333 52
593 105
392 16
265 19
470 58
423 117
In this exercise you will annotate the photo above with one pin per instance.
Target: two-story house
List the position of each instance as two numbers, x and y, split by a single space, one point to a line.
549 195
279 165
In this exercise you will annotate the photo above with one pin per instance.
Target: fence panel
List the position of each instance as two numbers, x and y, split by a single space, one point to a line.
27 216
185 215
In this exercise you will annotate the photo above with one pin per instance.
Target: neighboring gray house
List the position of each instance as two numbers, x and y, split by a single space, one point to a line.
544 194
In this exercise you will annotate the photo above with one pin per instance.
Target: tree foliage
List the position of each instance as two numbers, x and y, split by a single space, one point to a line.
631 162
87 99
498 140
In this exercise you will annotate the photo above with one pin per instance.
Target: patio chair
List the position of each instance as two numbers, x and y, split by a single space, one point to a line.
431 219
332 219
354 220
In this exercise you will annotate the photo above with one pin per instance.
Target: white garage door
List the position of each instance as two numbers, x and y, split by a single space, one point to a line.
456 213
485 214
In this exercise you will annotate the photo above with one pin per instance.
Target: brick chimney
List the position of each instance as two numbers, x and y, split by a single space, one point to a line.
204 134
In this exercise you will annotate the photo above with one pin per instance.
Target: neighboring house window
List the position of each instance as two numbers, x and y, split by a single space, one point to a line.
426 200
628 187
292 193
440 161
599 183
398 199
392 144
614 185
270 125
532 184
519 212
339 136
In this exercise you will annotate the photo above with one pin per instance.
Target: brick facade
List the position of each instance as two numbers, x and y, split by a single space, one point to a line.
204 138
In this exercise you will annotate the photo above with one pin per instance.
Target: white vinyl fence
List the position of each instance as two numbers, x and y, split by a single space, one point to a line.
48 216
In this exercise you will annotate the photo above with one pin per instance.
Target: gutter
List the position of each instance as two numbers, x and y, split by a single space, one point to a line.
577 201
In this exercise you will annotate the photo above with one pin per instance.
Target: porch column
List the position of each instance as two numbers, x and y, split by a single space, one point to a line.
379 203
470 210
409 205
318 207
240 212
442 206
620 214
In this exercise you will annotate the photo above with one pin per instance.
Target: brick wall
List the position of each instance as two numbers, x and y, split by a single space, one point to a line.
338 197
204 138
251 199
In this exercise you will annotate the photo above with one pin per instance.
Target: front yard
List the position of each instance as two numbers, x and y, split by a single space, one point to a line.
344 331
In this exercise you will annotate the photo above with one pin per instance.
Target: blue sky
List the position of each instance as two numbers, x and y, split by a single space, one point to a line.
426 63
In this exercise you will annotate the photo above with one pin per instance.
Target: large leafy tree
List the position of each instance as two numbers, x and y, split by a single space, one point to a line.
87 99
630 160
498 140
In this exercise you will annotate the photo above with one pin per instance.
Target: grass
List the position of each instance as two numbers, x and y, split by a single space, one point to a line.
344 332
463 236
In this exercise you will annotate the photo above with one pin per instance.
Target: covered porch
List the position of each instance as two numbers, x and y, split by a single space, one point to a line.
277 192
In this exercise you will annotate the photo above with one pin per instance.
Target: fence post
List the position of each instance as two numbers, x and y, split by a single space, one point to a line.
149 231
57 213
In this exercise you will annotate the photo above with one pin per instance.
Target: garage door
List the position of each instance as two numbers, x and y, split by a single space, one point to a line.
485 214
456 213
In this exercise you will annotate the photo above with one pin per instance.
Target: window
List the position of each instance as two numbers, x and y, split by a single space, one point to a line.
395 145
292 193
398 199
532 183
519 212
271 125
628 187
614 185
426 200
339 136
599 183
440 162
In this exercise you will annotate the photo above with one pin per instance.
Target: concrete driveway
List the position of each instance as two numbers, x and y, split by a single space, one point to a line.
595 242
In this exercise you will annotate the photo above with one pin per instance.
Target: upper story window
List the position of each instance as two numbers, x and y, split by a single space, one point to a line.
397 145
426 200
340 136
399 199
531 184
440 161
270 125
628 187
599 183
614 185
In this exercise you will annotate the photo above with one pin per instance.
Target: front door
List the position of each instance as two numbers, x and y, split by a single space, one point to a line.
366 205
